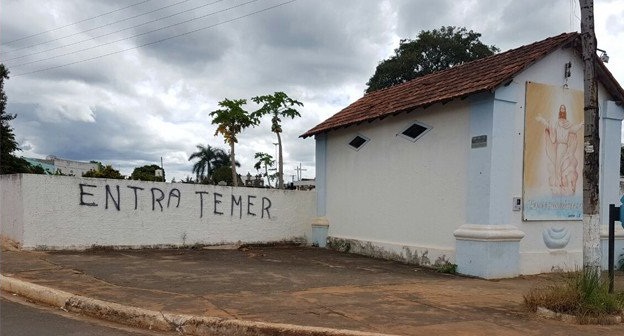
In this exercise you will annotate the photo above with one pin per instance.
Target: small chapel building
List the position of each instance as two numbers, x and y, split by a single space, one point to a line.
479 165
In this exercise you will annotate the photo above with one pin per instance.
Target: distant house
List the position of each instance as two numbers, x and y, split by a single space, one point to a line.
478 165
47 165
53 164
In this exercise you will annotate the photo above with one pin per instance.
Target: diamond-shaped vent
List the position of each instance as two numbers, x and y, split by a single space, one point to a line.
358 142
415 131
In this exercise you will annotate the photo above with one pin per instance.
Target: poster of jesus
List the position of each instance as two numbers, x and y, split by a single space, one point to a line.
553 157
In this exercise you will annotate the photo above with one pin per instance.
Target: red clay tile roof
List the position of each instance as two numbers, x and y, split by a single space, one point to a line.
482 75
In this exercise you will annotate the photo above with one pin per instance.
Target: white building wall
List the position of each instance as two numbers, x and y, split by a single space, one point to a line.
74 213
535 257
74 168
403 200
396 198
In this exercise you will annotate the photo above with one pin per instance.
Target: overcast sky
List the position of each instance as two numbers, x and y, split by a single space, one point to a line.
105 89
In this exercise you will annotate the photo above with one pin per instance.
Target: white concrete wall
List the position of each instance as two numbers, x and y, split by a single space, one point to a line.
70 212
396 198
11 207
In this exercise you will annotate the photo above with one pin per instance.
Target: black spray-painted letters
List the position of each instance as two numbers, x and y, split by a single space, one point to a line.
160 200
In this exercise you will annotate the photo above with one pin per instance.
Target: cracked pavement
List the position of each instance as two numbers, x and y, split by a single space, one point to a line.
295 285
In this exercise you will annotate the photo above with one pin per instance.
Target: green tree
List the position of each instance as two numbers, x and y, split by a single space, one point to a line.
99 164
231 120
265 160
188 179
224 174
277 105
9 163
431 51
210 158
104 172
147 173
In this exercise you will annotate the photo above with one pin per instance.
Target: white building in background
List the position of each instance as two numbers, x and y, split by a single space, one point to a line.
478 165
54 164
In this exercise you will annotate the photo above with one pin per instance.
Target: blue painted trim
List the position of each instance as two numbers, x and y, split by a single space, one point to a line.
321 174
490 168
478 198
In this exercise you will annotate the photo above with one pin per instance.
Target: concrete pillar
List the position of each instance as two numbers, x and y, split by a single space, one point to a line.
611 116
320 224
487 246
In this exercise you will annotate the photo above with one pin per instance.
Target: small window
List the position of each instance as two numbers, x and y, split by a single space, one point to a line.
357 142
415 131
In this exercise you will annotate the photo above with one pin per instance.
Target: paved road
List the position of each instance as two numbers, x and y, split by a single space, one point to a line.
18 317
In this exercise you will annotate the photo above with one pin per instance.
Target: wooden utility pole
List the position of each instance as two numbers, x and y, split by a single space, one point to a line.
591 169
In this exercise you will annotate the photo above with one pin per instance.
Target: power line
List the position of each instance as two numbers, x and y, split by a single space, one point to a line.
77 22
133 36
158 41
107 34
95 28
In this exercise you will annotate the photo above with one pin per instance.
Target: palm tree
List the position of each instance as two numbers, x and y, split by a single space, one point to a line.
231 120
209 157
278 105
265 160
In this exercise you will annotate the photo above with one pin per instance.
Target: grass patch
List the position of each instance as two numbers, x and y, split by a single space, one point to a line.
446 267
582 294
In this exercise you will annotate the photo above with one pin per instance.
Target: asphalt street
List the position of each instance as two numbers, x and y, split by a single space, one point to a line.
21 318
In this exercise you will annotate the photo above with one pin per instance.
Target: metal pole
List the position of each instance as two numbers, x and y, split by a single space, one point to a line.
613 214
591 217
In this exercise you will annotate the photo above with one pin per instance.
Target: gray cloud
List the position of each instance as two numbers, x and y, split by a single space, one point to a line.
134 107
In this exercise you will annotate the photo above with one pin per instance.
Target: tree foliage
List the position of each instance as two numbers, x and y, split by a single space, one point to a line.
147 173
231 119
264 160
104 172
209 158
224 174
278 106
431 51
9 163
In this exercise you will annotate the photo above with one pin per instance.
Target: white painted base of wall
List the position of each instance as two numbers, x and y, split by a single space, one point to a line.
551 261
488 251
417 255
320 227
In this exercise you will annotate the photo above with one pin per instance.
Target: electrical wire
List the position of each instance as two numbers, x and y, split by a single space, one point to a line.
77 22
158 41
130 37
95 28
107 34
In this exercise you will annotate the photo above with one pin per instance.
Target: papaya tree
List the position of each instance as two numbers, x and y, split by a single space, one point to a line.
278 106
265 160
231 119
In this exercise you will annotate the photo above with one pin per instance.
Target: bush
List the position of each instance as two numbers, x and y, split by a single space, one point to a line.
583 294
105 172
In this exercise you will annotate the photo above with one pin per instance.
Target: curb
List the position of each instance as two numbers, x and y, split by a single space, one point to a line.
571 319
162 321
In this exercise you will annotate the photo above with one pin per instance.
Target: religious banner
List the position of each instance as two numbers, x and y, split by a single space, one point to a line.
553 153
